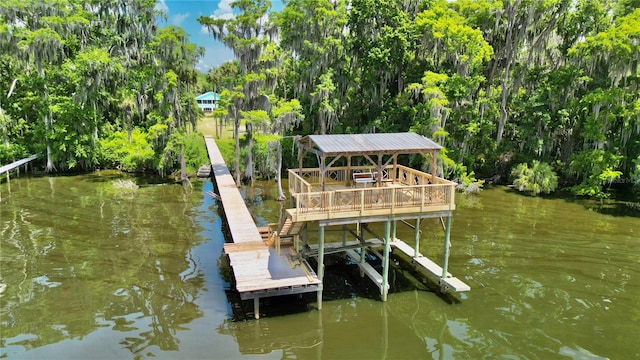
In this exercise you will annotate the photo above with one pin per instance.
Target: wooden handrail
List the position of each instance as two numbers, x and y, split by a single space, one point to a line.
392 198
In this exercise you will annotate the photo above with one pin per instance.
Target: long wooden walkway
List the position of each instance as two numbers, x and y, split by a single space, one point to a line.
260 271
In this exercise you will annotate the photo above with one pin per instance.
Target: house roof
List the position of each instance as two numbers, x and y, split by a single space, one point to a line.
359 144
208 96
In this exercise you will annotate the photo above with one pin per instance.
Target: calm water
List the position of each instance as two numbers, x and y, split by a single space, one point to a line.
92 272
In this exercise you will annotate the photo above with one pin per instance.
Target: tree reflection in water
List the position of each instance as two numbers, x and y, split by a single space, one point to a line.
78 256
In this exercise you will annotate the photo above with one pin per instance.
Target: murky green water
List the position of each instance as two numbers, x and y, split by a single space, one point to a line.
95 273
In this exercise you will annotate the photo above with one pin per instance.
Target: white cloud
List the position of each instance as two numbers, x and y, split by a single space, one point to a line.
214 56
224 10
177 19
162 5
202 66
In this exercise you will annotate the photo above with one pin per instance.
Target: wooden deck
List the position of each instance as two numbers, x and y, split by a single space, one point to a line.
259 271
400 190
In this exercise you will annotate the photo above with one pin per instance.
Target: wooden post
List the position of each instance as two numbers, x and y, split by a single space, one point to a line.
344 235
348 174
256 308
363 250
379 170
385 261
322 171
393 230
447 233
416 236
395 168
320 263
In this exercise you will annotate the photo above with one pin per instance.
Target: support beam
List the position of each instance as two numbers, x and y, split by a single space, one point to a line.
385 261
434 166
320 263
344 235
362 249
322 171
348 175
393 230
416 237
256 308
447 234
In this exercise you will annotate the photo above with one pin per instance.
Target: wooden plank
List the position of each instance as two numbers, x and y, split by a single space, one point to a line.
246 246
241 224
456 284
434 269
405 248
366 268
426 263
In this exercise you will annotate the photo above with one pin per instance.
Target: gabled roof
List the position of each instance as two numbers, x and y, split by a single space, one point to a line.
357 144
208 96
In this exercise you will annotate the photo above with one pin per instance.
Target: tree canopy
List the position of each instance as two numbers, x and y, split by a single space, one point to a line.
497 83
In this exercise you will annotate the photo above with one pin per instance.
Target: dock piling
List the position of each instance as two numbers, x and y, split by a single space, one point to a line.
320 263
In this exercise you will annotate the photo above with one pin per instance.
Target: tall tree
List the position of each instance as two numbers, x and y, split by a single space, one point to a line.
314 30
247 34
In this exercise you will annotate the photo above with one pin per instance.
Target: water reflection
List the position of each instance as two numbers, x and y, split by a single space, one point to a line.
339 331
93 272
78 256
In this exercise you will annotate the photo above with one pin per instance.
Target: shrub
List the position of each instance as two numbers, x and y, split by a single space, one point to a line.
12 152
136 155
635 174
596 168
539 178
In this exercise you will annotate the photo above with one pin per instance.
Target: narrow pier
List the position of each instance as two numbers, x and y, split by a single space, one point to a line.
259 270
15 165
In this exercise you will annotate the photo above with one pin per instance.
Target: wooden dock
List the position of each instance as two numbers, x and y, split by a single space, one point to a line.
259 271
15 165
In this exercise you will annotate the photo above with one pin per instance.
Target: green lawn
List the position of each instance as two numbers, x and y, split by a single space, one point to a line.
206 126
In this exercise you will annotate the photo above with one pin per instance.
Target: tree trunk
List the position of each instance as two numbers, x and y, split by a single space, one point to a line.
281 196
183 165
47 123
248 170
236 137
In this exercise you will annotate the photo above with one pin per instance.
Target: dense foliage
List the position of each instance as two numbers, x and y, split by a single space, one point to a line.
497 83
94 83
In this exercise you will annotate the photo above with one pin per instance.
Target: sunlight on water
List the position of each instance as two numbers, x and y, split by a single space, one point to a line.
94 271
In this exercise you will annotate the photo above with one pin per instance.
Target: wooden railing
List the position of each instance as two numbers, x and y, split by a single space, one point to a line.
408 176
297 184
392 200
411 191
336 174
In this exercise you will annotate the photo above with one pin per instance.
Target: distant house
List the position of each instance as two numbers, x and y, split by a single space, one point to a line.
208 101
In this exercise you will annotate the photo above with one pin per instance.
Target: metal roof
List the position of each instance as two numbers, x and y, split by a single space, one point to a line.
208 96
405 143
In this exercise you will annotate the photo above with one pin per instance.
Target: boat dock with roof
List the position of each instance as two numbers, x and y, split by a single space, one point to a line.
340 194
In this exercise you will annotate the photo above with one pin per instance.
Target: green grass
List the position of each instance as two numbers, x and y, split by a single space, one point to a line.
207 127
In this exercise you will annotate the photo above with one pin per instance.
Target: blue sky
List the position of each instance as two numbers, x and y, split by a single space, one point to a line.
184 13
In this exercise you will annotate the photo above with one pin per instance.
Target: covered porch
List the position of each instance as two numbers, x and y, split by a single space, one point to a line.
380 187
